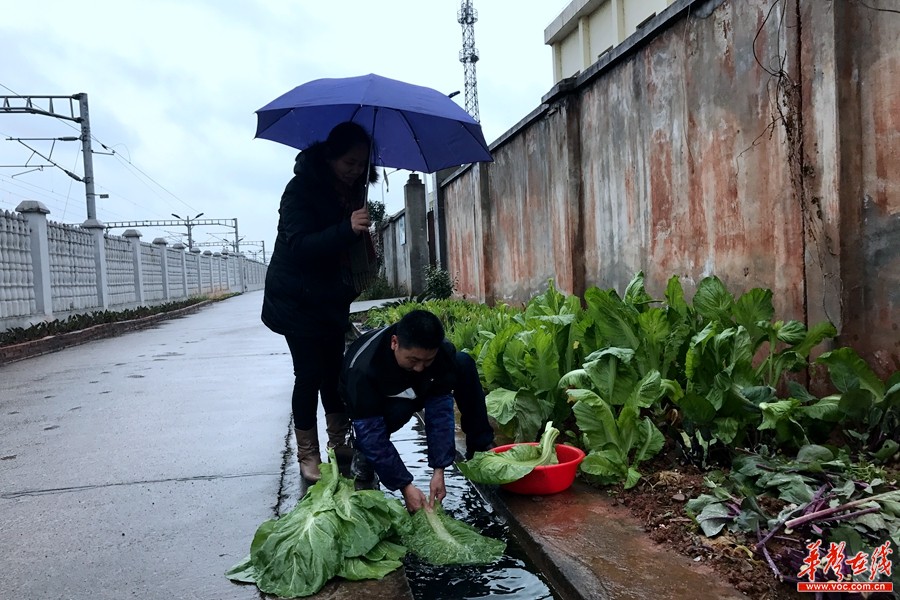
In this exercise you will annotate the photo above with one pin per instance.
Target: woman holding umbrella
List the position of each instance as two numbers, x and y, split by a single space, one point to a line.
321 262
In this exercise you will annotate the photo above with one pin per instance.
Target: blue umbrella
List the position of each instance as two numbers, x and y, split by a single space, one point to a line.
412 127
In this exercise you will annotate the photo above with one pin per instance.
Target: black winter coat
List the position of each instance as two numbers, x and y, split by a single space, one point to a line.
381 397
308 291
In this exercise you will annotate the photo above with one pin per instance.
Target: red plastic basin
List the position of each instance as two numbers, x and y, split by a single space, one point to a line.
547 479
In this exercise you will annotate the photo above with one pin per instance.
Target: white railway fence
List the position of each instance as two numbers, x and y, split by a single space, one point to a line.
50 270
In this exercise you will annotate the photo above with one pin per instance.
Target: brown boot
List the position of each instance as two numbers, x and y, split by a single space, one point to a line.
338 427
308 453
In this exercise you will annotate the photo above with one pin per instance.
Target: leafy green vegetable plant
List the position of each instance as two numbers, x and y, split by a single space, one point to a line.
823 494
656 335
463 321
725 392
720 361
523 362
616 444
868 408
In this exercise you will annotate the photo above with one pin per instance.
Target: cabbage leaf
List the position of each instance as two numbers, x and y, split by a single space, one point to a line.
497 468
441 540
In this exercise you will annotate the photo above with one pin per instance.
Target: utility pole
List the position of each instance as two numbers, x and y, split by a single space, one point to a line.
237 241
26 105
88 159
190 226
468 56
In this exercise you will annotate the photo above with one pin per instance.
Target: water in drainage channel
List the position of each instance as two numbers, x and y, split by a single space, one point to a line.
511 578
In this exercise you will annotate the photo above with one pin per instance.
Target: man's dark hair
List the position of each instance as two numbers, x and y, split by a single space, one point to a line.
419 329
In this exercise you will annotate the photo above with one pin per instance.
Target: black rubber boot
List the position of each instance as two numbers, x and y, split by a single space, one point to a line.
339 439
362 472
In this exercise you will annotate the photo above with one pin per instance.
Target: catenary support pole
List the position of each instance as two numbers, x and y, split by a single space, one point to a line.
237 252
88 156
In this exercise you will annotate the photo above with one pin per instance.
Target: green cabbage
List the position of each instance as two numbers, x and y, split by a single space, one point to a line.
441 540
334 530
337 531
377 562
498 468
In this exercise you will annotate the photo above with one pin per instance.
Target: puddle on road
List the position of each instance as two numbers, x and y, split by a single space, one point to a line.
511 578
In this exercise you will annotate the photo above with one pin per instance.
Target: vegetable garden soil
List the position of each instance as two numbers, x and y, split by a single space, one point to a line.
658 500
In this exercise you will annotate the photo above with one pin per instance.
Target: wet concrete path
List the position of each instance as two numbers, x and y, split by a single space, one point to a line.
140 466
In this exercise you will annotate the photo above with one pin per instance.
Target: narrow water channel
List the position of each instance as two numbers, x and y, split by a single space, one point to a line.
511 578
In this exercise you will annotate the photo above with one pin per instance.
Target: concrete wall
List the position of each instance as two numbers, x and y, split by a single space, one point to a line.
51 271
858 182
753 140
396 254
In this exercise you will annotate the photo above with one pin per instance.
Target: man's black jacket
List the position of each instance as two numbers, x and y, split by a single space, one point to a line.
381 397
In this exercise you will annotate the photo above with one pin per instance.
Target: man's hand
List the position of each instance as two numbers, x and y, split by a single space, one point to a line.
414 498
359 220
438 489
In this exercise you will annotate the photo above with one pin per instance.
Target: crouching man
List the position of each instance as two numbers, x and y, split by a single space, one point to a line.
388 375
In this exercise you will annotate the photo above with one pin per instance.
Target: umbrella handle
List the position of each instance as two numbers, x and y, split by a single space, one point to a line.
371 158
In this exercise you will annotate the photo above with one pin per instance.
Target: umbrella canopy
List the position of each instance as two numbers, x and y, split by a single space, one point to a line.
412 127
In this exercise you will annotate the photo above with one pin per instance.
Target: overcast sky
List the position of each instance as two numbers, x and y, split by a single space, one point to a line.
173 86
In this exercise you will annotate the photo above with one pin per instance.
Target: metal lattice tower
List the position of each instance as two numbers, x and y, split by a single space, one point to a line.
468 56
